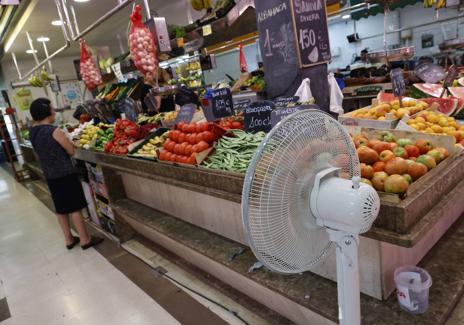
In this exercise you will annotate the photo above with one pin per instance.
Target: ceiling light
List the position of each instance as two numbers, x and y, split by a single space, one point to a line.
30 51
43 39
81 0
346 16
57 22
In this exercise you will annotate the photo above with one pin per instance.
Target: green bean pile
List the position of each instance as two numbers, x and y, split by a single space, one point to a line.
233 153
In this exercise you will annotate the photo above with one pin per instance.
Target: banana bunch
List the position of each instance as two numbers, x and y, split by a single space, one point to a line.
35 81
44 76
440 4
429 3
200 5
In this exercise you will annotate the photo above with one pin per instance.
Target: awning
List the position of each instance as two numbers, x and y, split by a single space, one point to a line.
378 8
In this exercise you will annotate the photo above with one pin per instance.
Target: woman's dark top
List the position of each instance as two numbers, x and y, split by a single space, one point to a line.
55 161
167 102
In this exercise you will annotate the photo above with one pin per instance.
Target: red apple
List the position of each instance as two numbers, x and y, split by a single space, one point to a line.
424 146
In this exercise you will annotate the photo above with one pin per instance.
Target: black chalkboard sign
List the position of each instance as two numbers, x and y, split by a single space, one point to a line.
399 86
277 45
257 116
279 114
285 101
311 30
222 104
186 113
241 104
429 72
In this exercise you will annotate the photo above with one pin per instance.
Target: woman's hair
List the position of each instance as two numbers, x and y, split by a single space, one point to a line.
40 109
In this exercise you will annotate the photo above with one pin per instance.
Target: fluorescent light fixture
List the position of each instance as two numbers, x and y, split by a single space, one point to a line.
31 52
19 26
346 16
57 22
43 39
81 0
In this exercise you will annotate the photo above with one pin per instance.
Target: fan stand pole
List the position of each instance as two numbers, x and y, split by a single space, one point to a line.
349 309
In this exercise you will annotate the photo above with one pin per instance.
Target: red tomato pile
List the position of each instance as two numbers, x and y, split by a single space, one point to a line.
186 141
125 133
231 123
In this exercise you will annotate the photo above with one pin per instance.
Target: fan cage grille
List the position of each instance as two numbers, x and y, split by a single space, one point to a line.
279 225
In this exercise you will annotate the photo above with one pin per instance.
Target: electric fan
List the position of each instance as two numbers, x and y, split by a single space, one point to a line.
302 194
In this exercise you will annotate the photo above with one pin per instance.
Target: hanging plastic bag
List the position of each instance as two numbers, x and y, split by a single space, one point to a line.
304 92
89 71
142 46
336 95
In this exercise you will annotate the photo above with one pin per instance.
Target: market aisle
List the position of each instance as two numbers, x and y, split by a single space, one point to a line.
45 284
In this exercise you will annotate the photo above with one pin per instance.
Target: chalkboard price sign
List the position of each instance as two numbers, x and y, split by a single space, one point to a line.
429 72
281 113
285 101
241 104
186 113
311 30
399 86
257 116
222 103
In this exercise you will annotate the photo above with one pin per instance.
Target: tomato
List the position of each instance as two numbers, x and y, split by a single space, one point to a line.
166 144
191 139
181 137
192 160
180 126
199 127
188 149
198 137
191 128
162 155
182 148
176 149
195 149
208 136
202 146
226 125
170 146
236 125
206 127
184 160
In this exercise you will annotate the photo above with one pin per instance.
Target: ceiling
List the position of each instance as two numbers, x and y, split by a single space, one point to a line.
39 24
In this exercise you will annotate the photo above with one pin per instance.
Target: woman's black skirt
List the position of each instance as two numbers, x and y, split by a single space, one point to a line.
67 194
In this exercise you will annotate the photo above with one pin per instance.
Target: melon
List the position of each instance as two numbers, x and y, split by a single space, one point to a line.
461 81
426 90
446 106
384 97
458 92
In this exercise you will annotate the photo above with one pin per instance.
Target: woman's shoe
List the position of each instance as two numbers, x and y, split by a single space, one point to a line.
94 241
74 243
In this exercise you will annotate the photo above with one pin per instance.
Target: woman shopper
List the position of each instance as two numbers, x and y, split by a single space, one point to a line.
55 150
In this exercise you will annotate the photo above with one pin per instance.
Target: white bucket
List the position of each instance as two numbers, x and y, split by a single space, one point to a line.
412 288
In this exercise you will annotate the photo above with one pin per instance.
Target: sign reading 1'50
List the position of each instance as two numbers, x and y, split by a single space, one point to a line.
307 38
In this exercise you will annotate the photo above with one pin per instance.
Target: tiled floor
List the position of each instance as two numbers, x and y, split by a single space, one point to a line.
44 284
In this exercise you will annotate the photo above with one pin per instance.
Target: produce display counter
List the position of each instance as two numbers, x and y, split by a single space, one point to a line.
196 213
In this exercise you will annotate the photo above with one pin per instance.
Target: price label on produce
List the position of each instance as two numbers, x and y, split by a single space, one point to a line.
222 103
117 72
429 72
257 116
312 33
186 113
286 101
281 113
399 86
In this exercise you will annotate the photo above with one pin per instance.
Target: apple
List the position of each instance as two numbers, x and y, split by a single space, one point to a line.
388 137
413 151
417 170
386 155
396 184
396 165
379 166
427 160
424 146
437 155
378 180
444 151
367 155
367 171
366 181
408 178
404 142
400 152
381 146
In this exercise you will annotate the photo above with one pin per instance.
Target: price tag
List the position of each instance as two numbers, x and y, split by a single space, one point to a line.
257 116
399 86
9 2
281 113
222 103
186 113
429 72
117 72
162 33
207 30
241 104
312 33
450 77
286 101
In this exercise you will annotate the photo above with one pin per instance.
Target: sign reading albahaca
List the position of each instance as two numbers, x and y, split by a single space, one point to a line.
271 12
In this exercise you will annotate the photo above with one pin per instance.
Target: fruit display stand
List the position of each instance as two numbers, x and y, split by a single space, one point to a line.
195 213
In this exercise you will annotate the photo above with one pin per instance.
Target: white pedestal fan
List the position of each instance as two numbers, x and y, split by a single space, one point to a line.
302 194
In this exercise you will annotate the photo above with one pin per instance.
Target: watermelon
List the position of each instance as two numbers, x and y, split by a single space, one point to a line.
384 97
446 106
458 92
461 81
426 90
